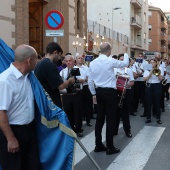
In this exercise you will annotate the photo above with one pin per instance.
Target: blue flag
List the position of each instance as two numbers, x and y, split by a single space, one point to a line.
56 139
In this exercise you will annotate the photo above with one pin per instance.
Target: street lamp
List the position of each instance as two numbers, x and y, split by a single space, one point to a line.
113 9
76 43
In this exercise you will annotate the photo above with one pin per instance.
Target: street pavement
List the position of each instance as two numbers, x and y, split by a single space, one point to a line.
148 149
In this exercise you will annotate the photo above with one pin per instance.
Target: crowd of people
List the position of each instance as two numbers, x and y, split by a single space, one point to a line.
82 92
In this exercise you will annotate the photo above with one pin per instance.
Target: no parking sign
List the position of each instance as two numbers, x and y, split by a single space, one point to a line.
54 20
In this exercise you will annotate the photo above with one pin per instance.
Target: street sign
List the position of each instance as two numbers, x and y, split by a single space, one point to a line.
54 20
54 33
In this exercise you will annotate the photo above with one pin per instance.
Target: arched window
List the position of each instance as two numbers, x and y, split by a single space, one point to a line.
78 14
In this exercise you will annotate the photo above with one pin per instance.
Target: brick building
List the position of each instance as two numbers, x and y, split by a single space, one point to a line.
23 22
158 31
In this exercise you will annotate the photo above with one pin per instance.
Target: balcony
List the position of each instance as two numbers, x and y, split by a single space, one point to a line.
136 3
163 38
136 22
164 25
163 49
136 42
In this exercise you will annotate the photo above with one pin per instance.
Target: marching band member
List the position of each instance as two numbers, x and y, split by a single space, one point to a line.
161 64
87 101
101 74
124 110
135 75
153 90
167 78
139 86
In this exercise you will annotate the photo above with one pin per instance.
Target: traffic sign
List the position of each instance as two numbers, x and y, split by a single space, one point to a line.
53 33
54 20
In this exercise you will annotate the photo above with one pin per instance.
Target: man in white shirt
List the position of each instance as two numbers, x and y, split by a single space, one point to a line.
87 102
72 101
161 64
18 145
102 85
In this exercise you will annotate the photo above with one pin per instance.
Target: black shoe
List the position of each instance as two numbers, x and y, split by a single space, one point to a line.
159 121
142 115
129 135
133 114
111 151
100 148
115 133
163 110
136 111
148 121
88 124
79 134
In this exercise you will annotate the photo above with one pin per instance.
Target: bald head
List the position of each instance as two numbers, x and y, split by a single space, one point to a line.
23 52
105 48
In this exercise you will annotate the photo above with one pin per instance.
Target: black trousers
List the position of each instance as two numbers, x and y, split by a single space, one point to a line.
162 97
139 93
27 157
153 96
124 113
166 91
106 107
72 105
87 103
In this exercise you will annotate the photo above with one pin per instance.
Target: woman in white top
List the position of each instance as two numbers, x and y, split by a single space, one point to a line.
153 91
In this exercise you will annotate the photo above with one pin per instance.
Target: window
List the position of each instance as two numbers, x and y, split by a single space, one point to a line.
150 27
78 14
144 17
150 13
150 41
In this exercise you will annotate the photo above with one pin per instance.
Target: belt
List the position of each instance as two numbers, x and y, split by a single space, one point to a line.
109 88
23 126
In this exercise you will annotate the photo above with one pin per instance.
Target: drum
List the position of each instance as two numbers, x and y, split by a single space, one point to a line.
121 88
121 82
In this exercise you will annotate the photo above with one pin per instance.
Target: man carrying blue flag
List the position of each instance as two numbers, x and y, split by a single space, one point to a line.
56 139
18 141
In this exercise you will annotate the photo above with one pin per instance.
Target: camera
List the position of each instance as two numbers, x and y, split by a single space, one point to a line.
74 88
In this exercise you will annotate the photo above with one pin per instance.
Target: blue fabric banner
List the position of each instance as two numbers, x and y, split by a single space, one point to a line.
56 139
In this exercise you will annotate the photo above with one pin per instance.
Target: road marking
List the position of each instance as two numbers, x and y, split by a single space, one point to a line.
89 143
138 151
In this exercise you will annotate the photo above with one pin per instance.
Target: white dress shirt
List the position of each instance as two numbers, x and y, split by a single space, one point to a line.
153 79
139 67
123 71
16 96
101 72
65 72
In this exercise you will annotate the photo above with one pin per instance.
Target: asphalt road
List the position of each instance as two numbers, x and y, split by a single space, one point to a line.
148 149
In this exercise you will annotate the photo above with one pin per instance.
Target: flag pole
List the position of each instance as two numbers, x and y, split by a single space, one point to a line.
87 153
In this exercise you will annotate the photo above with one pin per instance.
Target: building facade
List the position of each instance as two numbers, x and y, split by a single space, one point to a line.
158 31
23 22
126 18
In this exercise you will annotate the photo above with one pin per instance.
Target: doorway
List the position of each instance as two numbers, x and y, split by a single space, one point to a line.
36 24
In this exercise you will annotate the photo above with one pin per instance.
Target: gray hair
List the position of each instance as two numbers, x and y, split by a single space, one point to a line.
157 53
68 56
23 52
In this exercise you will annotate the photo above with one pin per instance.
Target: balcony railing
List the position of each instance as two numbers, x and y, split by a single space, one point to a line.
136 22
137 3
164 25
163 49
163 37
136 41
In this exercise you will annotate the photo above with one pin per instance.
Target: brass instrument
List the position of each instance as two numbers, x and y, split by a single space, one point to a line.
156 72
164 82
